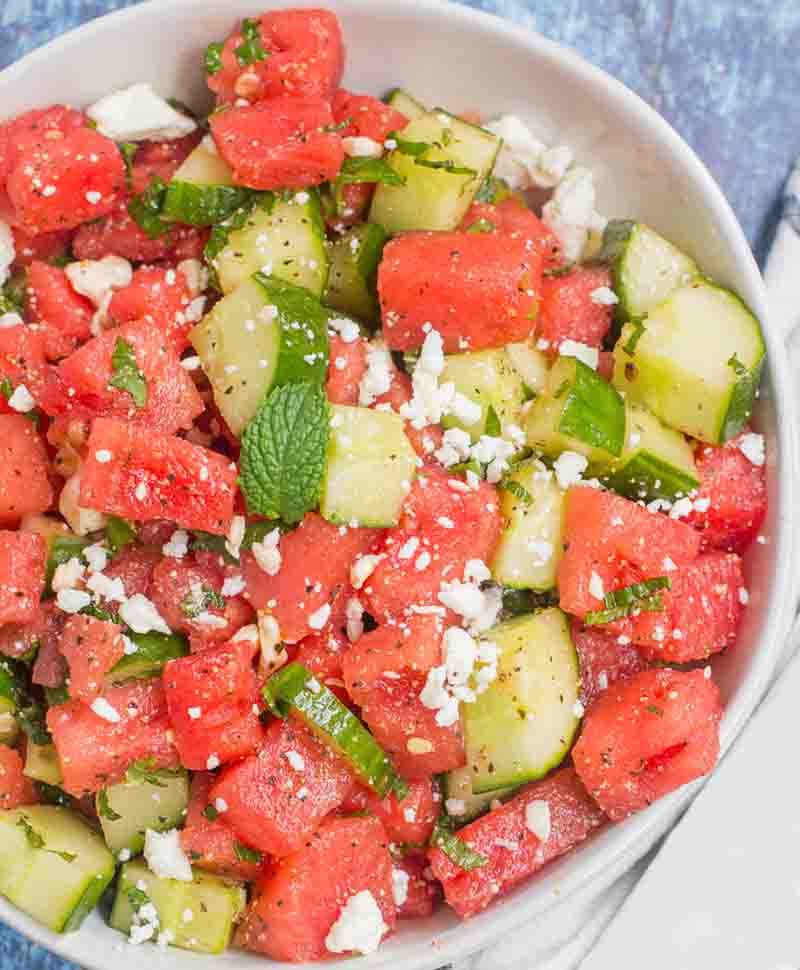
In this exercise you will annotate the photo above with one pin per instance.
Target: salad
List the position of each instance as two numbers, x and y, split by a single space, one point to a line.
371 507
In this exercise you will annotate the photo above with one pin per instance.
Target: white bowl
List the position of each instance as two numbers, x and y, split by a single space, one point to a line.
463 59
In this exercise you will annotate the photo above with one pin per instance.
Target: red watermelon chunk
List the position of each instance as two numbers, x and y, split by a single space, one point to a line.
22 358
63 182
15 788
323 656
22 565
34 130
512 218
135 565
44 246
732 497
64 315
452 524
568 311
24 470
477 290
44 628
603 659
149 475
305 58
211 843
280 143
316 560
295 908
91 647
94 752
160 159
513 850
407 822
160 296
367 117
422 891
646 736
212 697
83 382
348 364
279 795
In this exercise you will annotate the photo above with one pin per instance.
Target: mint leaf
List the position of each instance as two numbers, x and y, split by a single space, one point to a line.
126 374
446 165
636 335
482 225
283 453
35 840
104 808
145 209
413 148
454 848
493 427
518 491
213 57
251 49
199 599
218 239
245 854
211 813
137 897
368 170
145 772
128 151
119 533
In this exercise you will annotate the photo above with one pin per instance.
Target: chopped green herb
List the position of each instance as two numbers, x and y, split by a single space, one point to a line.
145 209
413 148
137 897
35 840
31 719
630 344
555 272
493 428
126 375
341 126
213 57
145 772
517 602
655 709
200 600
128 151
454 848
119 534
66 856
639 597
368 170
737 366
446 165
251 49
518 491
245 854
210 813
492 190
482 225
104 808
53 795
6 388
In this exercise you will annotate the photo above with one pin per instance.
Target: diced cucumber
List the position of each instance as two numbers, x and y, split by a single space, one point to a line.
579 412
41 763
9 701
647 268
432 197
487 378
285 239
215 904
157 801
202 192
153 650
531 365
52 865
522 726
695 361
402 101
530 547
458 785
656 462
354 259
370 467
265 334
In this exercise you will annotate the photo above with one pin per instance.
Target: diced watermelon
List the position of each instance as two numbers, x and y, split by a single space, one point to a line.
94 752
280 143
22 357
477 290
83 388
35 130
603 532
184 591
211 844
149 474
451 524
367 116
160 159
316 560
512 218
646 736
15 788
64 315
44 628
44 246
731 503
24 470
355 200
305 58
407 822
160 296
568 311
514 852
348 364
385 672
22 565
701 614
135 565
425 441
323 655
603 659
212 698
278 796
295 908
91 648
422 892
62 183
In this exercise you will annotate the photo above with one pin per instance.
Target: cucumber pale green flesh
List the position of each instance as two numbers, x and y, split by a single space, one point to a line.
215 904
57 891
295 688
531 545
407 105
41 763
284 239
354 259
265 334
458 785
697 363
487 378
141 805
153 651
657 462
434 198
523 725
647 268
370 467
202 192
531 365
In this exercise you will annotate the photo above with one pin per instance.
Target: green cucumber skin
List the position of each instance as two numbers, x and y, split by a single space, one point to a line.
202 205
405 103
155 649
352 278
88 901
740 405
594 412
646 476
9 686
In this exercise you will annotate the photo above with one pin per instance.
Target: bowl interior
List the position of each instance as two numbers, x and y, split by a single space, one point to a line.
465 60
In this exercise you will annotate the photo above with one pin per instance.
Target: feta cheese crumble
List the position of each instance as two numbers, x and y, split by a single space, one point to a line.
267 553
359 927
571 212
377 378
604 296
752 447
524 161
96 278
362 147
537 819
165 857
7 251
137 113
141 615
587 355
103 709
569 468
22 400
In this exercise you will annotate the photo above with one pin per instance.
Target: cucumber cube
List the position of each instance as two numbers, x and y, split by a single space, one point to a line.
41 763
354 259
487 378
127 810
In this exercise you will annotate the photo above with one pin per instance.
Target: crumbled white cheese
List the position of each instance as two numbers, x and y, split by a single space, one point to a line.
359 927
295 760
587 355
571 212
68 574
537 819
399 886
348 330
178 545
141 615
103 709
7 251
377 378
96 555
455 806
267 553
360 146
456 445
752 447
196 276
165 857
362 569
569 468
320 617
269 638
22 400
235 536
137 113
94 278
604 296
233 585
72 600
110 589
596 588
354 617
524 161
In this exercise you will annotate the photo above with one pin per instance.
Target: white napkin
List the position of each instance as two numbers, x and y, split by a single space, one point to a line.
704 903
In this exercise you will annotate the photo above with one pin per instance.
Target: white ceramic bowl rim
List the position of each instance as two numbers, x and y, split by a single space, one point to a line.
634 837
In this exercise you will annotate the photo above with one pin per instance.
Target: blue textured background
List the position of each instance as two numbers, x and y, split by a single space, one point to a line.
723 72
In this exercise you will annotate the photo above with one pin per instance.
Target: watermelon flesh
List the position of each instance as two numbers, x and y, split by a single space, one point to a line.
25 487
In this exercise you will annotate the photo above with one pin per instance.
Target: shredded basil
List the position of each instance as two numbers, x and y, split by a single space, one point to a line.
251 49
454 848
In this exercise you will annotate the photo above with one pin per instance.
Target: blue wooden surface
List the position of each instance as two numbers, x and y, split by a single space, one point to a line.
723 72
